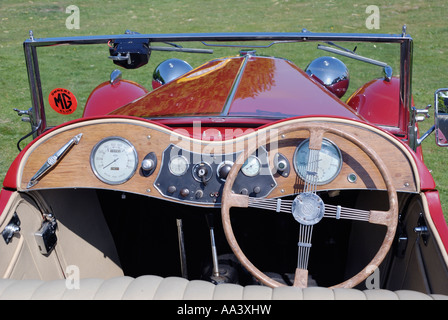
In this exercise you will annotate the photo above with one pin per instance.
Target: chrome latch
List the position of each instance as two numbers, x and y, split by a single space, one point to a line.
46 236
11 229
422 230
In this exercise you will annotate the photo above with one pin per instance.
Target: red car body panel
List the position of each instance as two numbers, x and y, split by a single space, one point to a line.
437 217
107 97
378 101
202 91
277 85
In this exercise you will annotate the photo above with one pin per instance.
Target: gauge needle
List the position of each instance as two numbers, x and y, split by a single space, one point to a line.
110 164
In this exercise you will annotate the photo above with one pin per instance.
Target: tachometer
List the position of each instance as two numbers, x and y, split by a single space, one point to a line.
327 168
114 160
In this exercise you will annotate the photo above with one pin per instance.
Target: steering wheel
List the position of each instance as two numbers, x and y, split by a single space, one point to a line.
308 208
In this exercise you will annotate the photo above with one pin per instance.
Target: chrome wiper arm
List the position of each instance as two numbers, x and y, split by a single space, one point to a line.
246 46
180 49
352 55
341 47
387 69
53 160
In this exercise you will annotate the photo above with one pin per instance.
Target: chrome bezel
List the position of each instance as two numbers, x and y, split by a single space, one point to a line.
186 167
319 183
193 171
247 161
94 169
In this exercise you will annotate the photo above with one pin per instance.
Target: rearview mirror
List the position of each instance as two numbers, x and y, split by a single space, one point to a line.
441 116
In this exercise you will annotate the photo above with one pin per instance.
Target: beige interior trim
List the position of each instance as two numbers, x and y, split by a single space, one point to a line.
431 225
15 258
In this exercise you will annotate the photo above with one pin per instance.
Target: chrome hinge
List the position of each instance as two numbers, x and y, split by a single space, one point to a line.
421 114
26 113
11 229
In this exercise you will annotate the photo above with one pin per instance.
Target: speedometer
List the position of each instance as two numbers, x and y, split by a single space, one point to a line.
327 168
114 160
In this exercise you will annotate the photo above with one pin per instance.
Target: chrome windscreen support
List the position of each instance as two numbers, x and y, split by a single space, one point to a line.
53 160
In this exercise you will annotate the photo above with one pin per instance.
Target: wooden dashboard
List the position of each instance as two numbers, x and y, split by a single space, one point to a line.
74 170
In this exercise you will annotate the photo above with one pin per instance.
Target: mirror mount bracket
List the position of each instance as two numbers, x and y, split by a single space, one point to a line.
425 135
441 116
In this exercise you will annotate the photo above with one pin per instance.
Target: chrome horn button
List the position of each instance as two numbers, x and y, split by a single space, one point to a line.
308 208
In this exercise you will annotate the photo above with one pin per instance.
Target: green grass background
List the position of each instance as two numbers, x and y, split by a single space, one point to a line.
427 23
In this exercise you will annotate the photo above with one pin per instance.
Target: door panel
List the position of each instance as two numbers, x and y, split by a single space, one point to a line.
21 257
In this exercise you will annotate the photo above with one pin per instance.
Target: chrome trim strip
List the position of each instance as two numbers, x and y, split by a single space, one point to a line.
235 85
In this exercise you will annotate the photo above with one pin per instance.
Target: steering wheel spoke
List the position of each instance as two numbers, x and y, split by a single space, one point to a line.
304 246
381 217
237 200
301 278
338 212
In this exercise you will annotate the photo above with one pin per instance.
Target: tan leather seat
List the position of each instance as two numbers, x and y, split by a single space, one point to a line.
173 288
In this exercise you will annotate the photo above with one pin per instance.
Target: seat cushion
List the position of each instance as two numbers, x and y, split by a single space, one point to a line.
174 288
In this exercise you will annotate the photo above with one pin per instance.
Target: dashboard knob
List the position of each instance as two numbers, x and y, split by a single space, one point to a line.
184 192
224 171
171 189
198 194
282 165
147 164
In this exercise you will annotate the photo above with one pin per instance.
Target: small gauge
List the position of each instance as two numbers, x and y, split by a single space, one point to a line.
328 166
114 160
178 165
251 167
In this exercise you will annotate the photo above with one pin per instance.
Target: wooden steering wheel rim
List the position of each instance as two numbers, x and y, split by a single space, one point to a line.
387 218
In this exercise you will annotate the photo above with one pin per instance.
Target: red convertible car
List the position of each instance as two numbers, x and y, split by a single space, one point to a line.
288 166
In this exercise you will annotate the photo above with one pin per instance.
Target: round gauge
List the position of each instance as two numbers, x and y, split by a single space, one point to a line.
251 167
178 165
114 160
329 162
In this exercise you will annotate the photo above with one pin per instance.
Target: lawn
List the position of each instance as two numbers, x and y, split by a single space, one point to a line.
425 20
